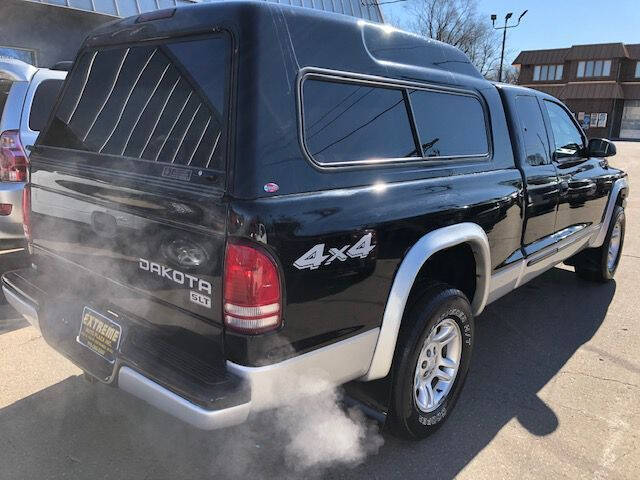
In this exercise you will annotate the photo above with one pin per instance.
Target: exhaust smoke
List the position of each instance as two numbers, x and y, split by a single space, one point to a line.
322 433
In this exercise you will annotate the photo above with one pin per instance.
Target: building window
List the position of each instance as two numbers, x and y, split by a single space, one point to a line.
543 73
637 69
594 68
23 54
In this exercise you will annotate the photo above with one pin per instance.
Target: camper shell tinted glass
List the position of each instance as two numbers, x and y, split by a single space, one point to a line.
153 102
449 125
349 122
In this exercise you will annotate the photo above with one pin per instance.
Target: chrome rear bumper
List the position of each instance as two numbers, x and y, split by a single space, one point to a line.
146 389
270 385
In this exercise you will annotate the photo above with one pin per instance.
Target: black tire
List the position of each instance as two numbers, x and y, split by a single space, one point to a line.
438 303
593 264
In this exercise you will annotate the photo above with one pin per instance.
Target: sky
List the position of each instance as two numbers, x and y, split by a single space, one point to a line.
555 23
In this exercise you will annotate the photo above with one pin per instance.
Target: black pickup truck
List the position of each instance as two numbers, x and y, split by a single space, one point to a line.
229 197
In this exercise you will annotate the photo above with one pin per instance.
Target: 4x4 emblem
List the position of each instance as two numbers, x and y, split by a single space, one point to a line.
315 256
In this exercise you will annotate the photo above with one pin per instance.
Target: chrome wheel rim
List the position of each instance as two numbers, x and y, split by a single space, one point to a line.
614 245
437 365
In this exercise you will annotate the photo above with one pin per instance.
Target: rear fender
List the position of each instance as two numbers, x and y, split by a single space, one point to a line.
435 241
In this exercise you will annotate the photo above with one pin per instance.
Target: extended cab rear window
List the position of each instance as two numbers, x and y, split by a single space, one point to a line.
156 102
353 123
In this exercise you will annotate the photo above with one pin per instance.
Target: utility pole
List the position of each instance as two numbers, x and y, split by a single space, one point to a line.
504 34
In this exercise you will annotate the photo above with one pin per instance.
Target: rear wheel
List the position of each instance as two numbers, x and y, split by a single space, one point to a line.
600 264
431 362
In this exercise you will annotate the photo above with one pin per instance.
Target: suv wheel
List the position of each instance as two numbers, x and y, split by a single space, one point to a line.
431 362
600 264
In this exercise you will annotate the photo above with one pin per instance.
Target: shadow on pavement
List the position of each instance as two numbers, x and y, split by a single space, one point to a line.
75 430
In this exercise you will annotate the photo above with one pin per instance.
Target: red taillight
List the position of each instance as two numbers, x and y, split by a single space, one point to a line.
252 296
26 211
13 160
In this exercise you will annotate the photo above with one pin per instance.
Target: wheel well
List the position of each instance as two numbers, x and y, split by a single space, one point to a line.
621 196
455 266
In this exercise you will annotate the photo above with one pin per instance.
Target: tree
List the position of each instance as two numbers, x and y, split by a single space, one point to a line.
458 23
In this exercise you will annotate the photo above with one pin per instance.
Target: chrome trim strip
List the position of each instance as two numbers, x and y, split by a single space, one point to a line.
541 256
23 307
115 81
322 368
618 185
145 389
429 244
517 274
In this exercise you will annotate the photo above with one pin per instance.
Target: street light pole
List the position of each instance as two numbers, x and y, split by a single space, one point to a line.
504 35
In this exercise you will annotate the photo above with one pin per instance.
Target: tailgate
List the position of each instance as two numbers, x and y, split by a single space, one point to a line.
128 180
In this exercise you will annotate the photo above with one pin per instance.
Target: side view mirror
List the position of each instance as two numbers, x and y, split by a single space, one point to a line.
601 147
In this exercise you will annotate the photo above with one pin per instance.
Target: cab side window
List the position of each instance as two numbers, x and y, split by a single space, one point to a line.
568 139
532 129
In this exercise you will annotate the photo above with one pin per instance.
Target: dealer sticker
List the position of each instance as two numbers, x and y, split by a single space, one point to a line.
99 334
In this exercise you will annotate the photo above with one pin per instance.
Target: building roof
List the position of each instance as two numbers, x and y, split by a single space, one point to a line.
596 51
591 90
531 57
124 8
634 50
554 90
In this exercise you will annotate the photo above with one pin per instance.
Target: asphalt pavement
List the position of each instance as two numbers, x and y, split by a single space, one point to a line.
553 392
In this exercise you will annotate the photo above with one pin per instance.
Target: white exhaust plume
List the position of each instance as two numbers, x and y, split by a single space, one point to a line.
321 433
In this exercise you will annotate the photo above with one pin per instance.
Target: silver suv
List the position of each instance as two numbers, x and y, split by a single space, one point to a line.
27 95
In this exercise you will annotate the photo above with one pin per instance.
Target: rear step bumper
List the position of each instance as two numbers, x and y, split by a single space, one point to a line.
141 386
268 385
146 389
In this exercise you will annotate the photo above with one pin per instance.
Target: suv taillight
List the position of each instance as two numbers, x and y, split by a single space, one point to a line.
252 293
26 211
13 160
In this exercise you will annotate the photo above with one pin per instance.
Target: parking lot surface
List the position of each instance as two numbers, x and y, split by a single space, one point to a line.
553 392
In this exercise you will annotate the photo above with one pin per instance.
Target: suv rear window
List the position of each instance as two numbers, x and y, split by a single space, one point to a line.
164 103
43 101
5 87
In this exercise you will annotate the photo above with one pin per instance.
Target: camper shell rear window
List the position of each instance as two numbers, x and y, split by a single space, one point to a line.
155 102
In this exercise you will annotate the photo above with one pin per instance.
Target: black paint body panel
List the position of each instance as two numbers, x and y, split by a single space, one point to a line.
95 216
